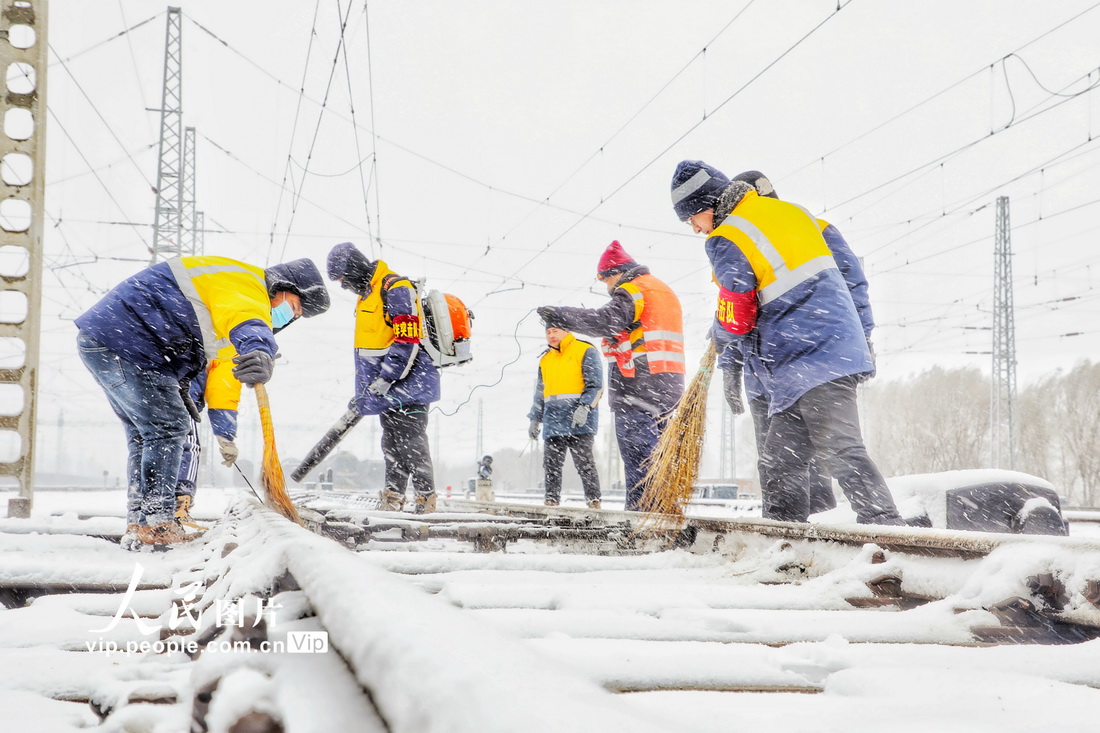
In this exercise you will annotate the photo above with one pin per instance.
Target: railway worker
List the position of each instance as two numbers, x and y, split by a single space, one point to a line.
394 377
786 308
730 359
148 337
567 390
643 340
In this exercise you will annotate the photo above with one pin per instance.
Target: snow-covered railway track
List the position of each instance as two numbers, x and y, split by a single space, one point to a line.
539 619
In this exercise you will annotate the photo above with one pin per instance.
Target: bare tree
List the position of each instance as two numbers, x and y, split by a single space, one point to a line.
937 420
1076 414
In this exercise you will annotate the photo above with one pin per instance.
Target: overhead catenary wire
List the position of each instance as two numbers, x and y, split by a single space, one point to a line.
106 124
297 115
691 129
107 40
355 134
936 95
105 187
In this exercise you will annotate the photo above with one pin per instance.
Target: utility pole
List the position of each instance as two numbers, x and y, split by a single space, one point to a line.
1003 402
480 415
168 224
727 454
22 198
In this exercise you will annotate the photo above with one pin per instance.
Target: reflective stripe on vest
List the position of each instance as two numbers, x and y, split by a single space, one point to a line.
797 253
185 274
657 335
564 396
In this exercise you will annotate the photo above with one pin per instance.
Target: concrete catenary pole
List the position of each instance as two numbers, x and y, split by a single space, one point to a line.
22 198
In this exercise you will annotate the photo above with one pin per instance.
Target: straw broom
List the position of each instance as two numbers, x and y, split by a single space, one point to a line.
272 481
674 464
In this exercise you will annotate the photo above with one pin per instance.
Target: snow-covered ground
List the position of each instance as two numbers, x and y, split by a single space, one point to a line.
672 631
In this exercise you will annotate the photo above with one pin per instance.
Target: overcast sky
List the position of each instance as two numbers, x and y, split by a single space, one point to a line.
505 144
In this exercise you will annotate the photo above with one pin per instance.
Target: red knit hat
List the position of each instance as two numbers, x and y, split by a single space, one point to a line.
614 259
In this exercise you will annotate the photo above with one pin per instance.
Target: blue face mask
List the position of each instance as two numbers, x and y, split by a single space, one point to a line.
281 316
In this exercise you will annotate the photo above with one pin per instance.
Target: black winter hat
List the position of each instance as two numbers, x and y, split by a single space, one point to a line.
695 188
347 262
302 278
759 181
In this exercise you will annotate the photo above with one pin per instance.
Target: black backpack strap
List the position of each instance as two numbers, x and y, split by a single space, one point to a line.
388 282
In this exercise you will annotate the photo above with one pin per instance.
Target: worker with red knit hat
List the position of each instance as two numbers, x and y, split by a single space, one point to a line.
643 340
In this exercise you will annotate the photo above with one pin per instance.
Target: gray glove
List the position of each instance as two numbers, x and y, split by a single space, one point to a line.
731 387
228 449
255 367
379 387
533 429
580 415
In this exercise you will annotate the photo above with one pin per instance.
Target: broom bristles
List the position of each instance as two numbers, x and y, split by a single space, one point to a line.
673 466
272 480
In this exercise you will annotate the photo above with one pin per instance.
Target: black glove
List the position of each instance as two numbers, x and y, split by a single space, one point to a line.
255 367
533 429
580 415
731 387
185 395
861 378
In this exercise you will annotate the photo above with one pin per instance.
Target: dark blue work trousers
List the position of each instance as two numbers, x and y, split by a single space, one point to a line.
637 434
156 423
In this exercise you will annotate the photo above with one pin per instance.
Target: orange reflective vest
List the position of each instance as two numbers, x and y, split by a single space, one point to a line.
657 334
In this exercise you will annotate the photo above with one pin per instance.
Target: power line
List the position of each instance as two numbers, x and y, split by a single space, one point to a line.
102 119
297 113
316 133
659 92
355 128
938 94
94 173
691 129
116 36
947 156
374 128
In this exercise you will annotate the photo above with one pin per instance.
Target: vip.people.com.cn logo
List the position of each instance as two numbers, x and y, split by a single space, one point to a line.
242 613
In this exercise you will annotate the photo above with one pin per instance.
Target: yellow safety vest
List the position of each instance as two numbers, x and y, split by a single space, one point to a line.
563 370
374 331
224 293
782 242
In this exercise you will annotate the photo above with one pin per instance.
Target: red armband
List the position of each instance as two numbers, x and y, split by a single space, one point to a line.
406 329
736 311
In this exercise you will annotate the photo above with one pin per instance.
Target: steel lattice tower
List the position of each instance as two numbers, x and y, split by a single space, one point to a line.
168 224
189 244
22 198
1003 403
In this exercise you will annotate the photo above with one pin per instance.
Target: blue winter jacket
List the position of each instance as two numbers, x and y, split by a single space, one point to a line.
147 321
404 362
807 330
852 271
556 411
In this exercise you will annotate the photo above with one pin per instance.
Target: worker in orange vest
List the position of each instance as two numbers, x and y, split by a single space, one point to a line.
643 340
